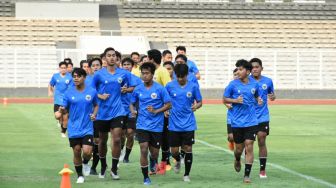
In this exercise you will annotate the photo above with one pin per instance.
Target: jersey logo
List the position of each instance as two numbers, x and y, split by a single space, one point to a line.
73 98
264 86
238 91
189 94
57 80
120 80
140 94
88 97
67 81
253 91
106 81
153 95
174 94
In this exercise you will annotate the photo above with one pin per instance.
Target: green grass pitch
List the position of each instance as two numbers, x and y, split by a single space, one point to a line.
302 139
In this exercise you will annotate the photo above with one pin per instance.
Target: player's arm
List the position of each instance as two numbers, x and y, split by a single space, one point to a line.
134 99
50 90
196 106
125 89
94 113
165 107
271 94
103 96
198 75
198 99
257 95
132 109
228 93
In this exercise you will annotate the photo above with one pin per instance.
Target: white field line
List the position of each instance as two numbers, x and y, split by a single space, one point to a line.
310 178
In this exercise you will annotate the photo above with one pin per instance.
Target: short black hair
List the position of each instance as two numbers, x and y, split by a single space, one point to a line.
257 60
135 53
118 54
95 59
245 64
67 60
181 70
108 49
127 59
79 71
182 48
168 63
102 56
82 62
165 52
143 57
182 56
62 63
155 55
235 70
69 63
148 66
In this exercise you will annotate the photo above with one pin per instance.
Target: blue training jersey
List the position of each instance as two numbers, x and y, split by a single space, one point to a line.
80 105
181 117
266 87
228 115
126 97
105 82
88 80
243 115
60 84
191 78
155 96
192 67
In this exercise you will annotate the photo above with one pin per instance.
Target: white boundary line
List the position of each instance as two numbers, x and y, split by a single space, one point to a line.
310 178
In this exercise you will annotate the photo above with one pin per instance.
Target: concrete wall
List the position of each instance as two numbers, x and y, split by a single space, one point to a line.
207 94
57 10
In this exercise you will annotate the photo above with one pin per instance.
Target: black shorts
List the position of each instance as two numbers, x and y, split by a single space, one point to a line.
244 133
129 123
229 129
177 139
153 138
106 125
264 127
86 140
95 130
56 107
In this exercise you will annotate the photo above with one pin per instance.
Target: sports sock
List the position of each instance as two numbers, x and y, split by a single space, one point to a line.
188 162
247 170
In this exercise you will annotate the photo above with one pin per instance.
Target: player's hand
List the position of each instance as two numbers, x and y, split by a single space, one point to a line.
260 101
124 89
166 113
93 117
104 96
151 109
240 99
134 113
61 109
228 106
50 94
271 96
194 107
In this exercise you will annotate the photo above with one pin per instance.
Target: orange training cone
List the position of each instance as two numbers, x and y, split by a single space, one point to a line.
65 172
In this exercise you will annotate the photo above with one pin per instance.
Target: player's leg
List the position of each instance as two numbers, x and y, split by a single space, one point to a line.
64 123
143 138
249 136
116 132
238 138
262 135
129 144
123 138
103 127
77 159
87 143
175 143
188 139
164 148
154 149
95 153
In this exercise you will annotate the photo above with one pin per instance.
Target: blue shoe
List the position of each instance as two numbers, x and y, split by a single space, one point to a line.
147 181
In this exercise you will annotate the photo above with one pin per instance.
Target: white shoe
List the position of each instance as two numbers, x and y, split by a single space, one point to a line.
86 169
186 178
80 179
101 176
63 135
177 167
114 176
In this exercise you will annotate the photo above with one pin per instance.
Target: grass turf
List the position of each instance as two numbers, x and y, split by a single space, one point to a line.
302 139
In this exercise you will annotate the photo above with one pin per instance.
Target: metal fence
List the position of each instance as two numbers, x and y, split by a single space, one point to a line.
289 68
